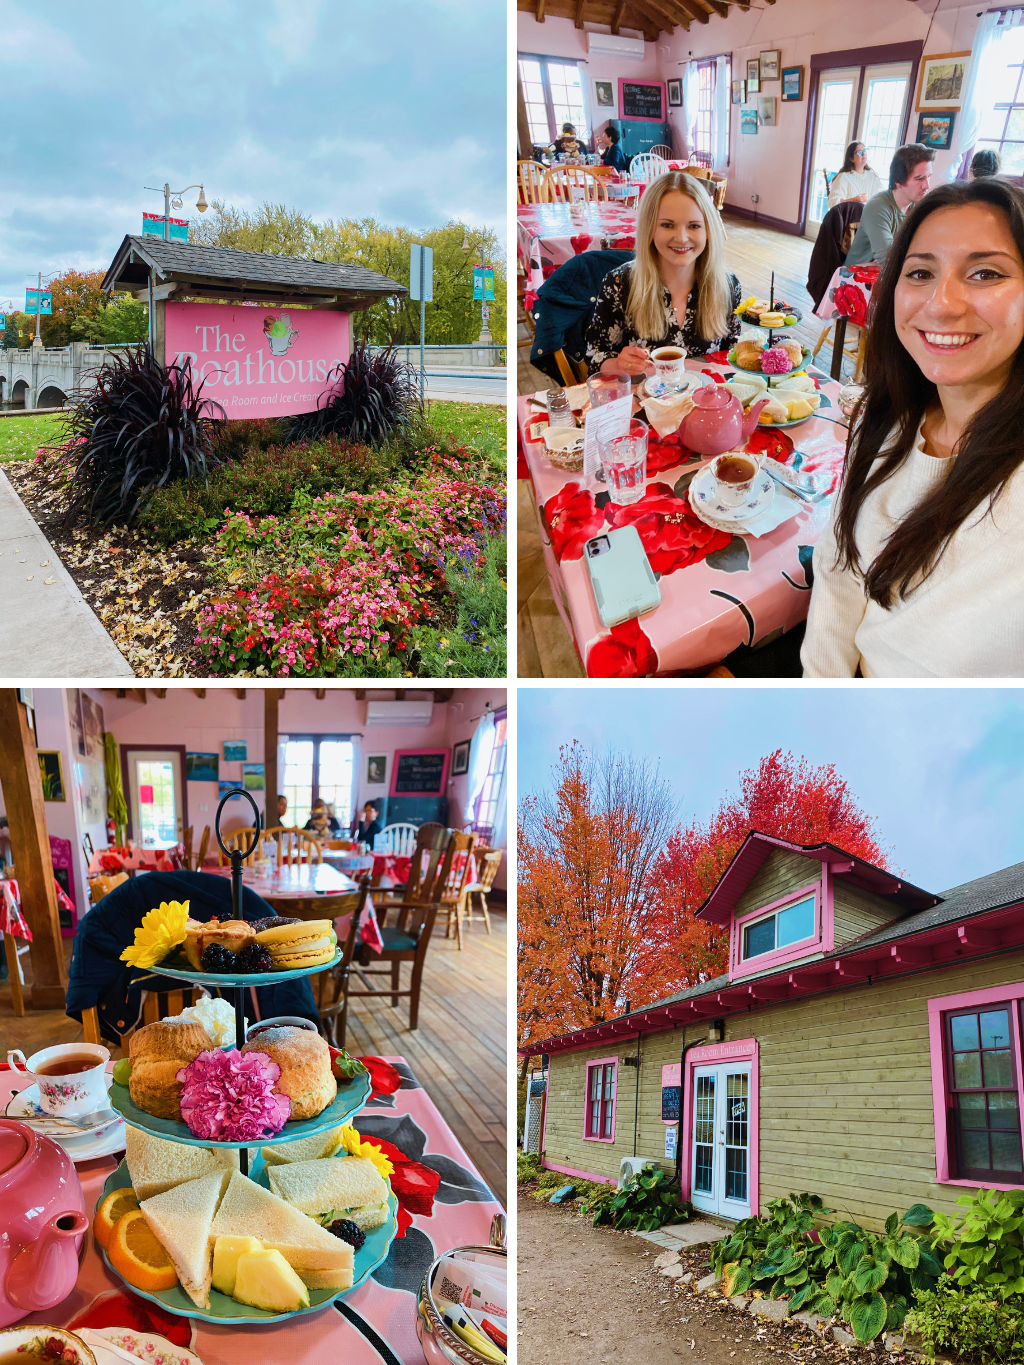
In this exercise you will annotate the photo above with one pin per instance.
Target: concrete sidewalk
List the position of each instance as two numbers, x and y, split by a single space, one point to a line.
47 630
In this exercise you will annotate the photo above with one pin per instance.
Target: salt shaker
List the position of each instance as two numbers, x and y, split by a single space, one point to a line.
559 409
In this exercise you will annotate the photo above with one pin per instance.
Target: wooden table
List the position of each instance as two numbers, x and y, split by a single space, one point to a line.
302 887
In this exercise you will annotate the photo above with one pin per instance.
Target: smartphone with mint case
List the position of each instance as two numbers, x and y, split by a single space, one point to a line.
621 575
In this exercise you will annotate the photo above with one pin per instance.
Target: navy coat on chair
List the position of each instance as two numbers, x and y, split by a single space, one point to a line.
99 978
565 303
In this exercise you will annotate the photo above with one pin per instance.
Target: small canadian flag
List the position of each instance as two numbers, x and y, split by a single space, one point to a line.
369 929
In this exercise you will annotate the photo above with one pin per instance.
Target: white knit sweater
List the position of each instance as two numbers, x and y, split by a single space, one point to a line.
966 620
850 184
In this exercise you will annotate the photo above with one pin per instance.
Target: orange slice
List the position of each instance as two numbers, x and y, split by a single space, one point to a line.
116 1204
137 1255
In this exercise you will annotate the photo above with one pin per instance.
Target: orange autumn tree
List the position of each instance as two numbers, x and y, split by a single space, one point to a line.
783 796
586 895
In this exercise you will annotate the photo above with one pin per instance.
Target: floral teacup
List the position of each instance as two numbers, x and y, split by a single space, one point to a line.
71 1077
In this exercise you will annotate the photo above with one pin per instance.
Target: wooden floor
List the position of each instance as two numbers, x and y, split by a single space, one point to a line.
545 649
458 1053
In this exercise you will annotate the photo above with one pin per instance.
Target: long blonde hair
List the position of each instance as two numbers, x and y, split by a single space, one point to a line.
645 309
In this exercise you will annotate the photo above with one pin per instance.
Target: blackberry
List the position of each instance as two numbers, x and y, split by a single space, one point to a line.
254 957
348 1232
217 958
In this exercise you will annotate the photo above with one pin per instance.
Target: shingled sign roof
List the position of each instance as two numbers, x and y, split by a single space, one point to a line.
222 272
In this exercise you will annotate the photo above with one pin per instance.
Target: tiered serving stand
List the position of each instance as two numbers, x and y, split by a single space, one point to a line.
350 1101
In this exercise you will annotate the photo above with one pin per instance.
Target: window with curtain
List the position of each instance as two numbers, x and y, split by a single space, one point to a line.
710 127
553 94
487 802
318 767
1002 117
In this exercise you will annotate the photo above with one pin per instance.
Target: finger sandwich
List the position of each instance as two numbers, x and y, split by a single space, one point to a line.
302 943
343 1187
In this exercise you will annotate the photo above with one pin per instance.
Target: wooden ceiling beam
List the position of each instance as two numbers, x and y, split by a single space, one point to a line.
650 11
541 6
640 19
675 12
360 694
580 7
719 8
140 694
321 692
694 10
620 10
240 693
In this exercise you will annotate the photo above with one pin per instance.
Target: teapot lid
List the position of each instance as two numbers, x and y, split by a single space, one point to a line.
13 1145
712 396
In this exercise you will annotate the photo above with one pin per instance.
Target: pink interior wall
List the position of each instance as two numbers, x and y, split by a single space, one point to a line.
769 163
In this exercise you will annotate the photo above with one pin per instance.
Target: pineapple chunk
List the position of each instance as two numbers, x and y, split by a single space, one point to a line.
226 1251
264 1279
799 407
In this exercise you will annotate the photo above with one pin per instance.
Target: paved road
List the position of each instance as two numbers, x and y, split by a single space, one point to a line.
488 386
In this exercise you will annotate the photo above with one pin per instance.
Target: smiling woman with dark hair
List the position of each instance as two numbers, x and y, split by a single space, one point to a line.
920 572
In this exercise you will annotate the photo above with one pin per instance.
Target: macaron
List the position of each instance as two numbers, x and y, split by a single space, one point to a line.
302 943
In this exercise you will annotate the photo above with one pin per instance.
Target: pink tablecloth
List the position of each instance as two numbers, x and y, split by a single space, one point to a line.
716 593
377 1321
547 235
132 860
396 868
849 294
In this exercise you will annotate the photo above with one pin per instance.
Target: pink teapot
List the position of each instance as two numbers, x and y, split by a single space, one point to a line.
717 422
42 1222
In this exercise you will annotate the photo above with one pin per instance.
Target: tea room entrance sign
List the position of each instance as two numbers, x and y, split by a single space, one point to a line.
279 326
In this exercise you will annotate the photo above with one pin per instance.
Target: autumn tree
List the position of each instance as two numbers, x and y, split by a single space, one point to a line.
783 796
586 897
77 298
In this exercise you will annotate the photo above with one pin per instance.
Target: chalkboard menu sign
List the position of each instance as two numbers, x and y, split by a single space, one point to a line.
640 101
419 772
670 1103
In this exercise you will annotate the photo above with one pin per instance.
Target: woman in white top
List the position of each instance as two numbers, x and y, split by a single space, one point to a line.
856 180
920 571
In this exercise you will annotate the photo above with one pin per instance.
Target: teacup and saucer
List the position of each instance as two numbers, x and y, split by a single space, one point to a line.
732 488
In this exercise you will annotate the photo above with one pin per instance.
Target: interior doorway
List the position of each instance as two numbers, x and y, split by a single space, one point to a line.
156 795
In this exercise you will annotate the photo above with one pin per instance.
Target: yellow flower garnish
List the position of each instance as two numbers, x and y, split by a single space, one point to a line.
160 931
355 1146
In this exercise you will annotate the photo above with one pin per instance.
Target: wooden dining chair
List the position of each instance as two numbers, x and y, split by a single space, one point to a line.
530 182
332 992
704 159
698 171
156 1005
296 846
204 844
487 870
239 839
659 149
429 838
720 187
458 878
568 184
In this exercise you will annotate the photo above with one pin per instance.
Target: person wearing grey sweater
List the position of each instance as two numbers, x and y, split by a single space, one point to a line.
910 174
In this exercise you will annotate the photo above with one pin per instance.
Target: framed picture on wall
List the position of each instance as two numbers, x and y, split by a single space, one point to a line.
236 750
51 774
675 94
748 120
253 777
936 130
202 767
766 110
460 758
792 82
753 76
376 770
941 80
739 92
769 63
604 94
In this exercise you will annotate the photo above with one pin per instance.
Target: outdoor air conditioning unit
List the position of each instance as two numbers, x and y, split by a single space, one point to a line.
615 45
416 712
632 1165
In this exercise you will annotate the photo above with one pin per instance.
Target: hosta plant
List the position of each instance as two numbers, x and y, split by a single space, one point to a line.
985 1245
648 1199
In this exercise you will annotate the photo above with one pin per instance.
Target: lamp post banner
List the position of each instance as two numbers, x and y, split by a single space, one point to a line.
258 362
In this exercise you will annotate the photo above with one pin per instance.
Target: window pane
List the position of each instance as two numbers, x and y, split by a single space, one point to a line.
335 778
609 1079
796 922
966 1069
704 1128
997 1067
883 118
530 71
974 1148
703 1170
1006 1154
157 815
298 780
964 1032
972 1111
735 1173
759 938
736 1111
608 1118
1002 1109
995 1029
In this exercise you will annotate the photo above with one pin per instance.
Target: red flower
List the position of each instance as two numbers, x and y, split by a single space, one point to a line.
851 303
572 517
866 274
548 268
624 244
580 243
404 1221
415 1186
663 452
625 653
672 536
718 357
778 445
384 1079
110 863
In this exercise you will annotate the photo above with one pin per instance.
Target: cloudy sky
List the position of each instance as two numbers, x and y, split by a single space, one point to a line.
341 109
940 769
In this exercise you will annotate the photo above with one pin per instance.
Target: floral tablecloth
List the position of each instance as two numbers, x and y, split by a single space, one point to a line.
849 294
717 591
547 235
132 860
377 1321
12 921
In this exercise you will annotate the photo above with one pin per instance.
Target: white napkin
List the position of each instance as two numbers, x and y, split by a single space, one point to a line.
784 505
665 414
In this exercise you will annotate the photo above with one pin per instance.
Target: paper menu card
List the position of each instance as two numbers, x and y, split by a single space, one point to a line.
611 419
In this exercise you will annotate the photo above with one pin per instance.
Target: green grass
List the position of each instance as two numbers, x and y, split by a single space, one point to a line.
21 437
481 425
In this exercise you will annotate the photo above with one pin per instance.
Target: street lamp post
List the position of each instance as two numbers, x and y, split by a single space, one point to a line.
484 338
37 340
168 194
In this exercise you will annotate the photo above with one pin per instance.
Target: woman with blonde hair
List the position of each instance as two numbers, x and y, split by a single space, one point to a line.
676 292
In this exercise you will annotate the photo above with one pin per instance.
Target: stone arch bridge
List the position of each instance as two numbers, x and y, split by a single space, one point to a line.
44 376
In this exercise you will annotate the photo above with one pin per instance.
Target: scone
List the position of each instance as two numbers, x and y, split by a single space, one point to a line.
748 355
157 1053
305 1062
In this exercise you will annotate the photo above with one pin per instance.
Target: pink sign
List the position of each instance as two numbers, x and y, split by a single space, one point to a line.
258 362
145 795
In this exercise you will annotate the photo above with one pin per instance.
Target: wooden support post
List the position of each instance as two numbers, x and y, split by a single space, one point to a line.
30 844
270 700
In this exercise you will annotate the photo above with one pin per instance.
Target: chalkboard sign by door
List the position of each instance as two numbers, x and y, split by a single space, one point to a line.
419 772
642 100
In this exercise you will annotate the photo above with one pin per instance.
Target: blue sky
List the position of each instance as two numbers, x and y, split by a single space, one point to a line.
338 108
941 769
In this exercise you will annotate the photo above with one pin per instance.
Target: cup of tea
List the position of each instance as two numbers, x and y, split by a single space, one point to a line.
669 367
70 1076
734 473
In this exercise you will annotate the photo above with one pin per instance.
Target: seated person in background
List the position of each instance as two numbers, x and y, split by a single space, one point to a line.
566 144
856 179
985 162
320 822
611 153
910 176
369 826
282 808
919 573
677 290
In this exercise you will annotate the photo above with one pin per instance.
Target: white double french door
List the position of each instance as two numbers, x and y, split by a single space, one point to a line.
721 1137
864 102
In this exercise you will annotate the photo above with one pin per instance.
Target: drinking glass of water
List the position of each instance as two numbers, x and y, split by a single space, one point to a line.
624 459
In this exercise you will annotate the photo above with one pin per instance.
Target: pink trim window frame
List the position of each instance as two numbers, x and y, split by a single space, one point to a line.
601 1062
719 1054
938 1008
822 938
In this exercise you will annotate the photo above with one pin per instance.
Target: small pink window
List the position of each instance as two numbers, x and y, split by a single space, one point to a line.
600 1108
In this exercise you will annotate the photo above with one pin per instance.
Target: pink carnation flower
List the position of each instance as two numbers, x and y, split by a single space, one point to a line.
228 1097
775 361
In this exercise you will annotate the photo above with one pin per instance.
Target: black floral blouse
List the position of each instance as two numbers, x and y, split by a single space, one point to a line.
609 331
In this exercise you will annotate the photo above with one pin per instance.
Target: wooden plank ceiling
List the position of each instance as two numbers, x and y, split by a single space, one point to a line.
651 17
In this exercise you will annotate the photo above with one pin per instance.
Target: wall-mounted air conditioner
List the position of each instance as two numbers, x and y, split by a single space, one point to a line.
632 1165
418 712
615 45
